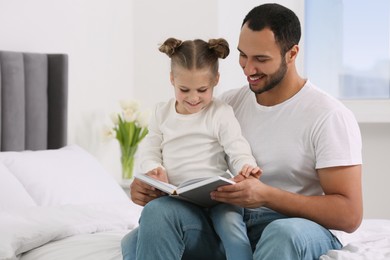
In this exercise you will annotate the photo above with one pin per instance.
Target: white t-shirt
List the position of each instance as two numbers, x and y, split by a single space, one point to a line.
309 131
195 145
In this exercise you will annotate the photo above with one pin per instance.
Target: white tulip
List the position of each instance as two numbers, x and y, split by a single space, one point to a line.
114 118
143 119
109 133
129 105
130 115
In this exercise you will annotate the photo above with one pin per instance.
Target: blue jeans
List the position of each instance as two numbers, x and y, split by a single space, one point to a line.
228 222
274 236
172 229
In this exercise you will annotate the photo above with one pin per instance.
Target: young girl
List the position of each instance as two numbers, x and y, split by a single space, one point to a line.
195 135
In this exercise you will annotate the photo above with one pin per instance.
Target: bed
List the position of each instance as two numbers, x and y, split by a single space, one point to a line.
56 200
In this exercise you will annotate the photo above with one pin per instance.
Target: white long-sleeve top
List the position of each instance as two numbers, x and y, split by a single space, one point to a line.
195 145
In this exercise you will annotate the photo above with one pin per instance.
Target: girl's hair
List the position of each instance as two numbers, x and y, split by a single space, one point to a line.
196 54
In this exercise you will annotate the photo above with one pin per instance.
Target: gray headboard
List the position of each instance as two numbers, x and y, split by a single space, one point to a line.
33 101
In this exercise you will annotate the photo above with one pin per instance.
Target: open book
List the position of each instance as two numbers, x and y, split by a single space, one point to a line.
196 191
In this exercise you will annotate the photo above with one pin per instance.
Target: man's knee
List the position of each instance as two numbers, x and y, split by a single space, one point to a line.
170 210
159 209
293 238
284 228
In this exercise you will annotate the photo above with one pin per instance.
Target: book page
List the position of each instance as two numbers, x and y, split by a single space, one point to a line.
160 185
192 181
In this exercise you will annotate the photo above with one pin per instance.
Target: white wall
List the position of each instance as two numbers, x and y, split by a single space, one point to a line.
376 173
154 22
112 47
98 37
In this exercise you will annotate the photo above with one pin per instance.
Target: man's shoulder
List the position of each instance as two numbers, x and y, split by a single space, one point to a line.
233 95
322 99
319 104
219 103
220 109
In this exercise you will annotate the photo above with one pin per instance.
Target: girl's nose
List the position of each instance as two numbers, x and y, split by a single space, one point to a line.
193 98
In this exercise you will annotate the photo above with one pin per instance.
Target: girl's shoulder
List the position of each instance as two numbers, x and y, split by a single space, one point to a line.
220 108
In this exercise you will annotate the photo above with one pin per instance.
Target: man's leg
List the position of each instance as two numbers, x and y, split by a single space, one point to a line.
129 245
174 229
294 238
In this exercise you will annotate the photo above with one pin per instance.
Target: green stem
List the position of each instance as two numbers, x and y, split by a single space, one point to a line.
127 161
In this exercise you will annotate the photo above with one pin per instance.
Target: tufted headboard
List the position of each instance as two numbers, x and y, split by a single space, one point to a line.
33 101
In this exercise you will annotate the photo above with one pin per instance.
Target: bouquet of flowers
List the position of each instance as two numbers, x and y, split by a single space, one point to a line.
130 128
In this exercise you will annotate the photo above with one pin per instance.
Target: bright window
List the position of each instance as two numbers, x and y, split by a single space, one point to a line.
347 48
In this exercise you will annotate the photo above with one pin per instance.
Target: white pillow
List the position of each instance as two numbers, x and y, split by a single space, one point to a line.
25 229
12 193
69 175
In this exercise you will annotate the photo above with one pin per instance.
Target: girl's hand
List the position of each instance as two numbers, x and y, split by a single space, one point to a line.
159 174
248 170
141 193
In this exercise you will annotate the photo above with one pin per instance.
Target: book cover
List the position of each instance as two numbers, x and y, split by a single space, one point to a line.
196 191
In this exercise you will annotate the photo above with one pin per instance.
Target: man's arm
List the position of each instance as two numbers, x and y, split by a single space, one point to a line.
340 208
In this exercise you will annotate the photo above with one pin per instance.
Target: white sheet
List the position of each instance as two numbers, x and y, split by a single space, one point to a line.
26 229
97 246
371 241
94 232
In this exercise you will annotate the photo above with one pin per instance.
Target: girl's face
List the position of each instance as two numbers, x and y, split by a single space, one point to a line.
193 89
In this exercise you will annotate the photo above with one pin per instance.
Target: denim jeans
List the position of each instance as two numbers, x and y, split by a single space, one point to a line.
228 223
274 236
173 229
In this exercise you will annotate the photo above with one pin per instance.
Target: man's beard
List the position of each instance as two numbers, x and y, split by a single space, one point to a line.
274 79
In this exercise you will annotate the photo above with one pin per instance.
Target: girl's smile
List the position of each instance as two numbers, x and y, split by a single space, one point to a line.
193 89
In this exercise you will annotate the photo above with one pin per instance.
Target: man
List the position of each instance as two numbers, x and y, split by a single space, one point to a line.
307 143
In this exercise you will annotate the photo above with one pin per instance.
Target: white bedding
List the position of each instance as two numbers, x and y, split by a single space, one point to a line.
24 230
53 199
103 245
61 204
75 232
371 241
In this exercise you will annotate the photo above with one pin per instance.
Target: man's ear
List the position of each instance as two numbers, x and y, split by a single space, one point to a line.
292 53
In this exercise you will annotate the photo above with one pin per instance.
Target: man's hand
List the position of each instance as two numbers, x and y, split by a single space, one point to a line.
247 192
340 208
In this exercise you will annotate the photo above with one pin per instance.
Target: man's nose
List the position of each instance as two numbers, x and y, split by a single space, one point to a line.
249 68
